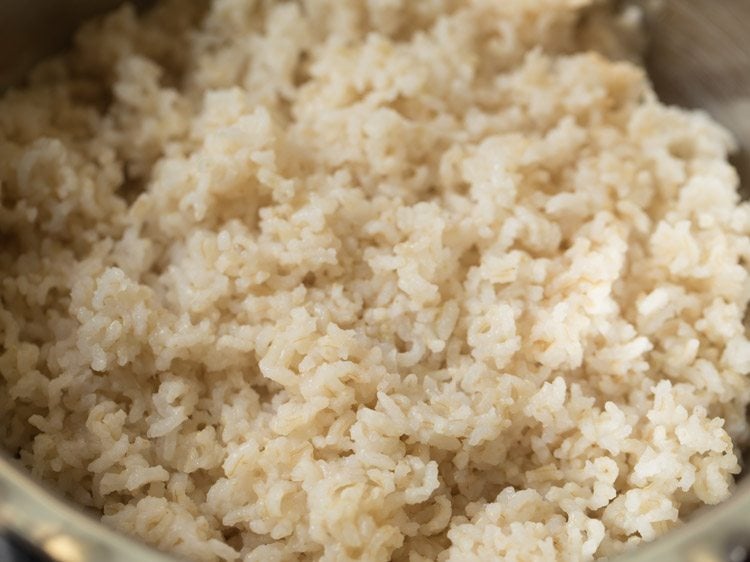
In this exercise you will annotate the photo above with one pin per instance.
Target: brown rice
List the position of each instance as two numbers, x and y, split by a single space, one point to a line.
369 280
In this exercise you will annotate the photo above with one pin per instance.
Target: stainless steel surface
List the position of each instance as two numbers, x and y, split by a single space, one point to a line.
31 29
699 57
63 533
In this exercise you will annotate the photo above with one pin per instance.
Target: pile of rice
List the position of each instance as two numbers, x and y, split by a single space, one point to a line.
369 280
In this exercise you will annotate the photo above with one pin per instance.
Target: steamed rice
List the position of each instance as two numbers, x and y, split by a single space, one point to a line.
369 280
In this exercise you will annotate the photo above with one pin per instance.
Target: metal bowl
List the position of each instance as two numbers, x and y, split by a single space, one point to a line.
698 57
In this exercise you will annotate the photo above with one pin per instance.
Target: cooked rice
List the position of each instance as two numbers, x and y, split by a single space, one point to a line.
369 280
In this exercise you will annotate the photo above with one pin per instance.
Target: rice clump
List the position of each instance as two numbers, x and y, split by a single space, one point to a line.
365 280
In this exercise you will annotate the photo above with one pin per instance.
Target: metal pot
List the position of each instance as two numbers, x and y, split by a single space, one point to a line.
698 57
